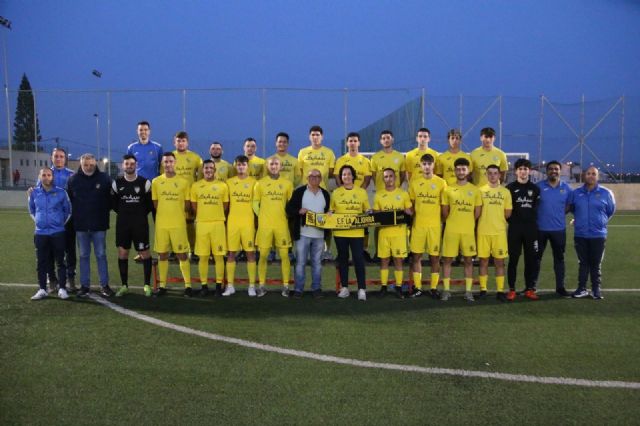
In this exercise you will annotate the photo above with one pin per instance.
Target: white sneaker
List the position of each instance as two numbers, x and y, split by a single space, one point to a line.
468 296
229 290
344 293
40 294
362 294
62 294
262 291
252 292
285 292
445 296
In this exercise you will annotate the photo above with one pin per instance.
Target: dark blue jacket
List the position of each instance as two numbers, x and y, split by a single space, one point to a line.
91 201
50 210
592 211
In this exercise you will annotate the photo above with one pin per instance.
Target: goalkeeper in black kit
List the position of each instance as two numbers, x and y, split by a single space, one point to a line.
131 200
523 229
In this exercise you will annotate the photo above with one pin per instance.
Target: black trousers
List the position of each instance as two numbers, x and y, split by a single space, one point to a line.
558 241
45 246
522 236
590 253
69 253
343 244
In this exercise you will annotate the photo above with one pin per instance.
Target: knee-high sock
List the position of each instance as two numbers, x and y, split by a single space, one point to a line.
146 266
285 265
446 283
185 268
251 271
417 280
219 259
123 266
384 277
435 277
468 282
483 279
163 270
203 269
262 267
500 283
398 275
231 271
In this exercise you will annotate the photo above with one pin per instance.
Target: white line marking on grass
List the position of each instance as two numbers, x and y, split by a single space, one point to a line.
369 364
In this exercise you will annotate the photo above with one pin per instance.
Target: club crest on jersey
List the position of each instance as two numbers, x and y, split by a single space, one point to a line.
530 192
495 158
97 186
470 193
398 197
433 186
246 185
136 189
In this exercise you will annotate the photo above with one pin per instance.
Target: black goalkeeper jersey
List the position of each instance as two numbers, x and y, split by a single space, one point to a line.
131 200
525 198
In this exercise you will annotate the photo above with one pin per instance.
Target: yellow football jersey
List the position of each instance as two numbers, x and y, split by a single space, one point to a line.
382 160
289 169
397 199
426 195
444 165
494 203
353 201
482 159
360 163
210 197
462 201
188 166
240 201
223 170
171 194
273 195
412 162
322 159
257 167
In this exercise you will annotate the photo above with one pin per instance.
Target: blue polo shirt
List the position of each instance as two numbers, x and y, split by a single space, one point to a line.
61 176
552 205
592 210
148 158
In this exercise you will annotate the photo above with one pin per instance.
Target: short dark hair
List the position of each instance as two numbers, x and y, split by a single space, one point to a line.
349 167
427 158
522 162
423 129
461 162
353 135
454 132
216 143
390 169
241 159
493 166
553 162
207 161
488 132
169 154
316 128
129 157
249 140
182 135
58 148
386 132
144 123
284 135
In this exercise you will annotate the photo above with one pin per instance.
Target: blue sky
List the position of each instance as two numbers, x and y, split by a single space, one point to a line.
562 49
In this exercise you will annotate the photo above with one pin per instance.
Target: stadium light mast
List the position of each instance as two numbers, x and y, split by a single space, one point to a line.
97 116
7 24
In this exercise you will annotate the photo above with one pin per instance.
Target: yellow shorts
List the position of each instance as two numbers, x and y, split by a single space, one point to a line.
171 239
211 237
455 242
392 246
493 245
426 240
241 238
267 237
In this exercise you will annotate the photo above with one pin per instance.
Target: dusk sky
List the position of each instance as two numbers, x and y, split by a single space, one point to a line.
521 50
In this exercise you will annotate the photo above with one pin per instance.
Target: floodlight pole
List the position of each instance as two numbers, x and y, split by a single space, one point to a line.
582 136
97 135
345 103
622 138
109 132
263 98
422 108
7 24
541 131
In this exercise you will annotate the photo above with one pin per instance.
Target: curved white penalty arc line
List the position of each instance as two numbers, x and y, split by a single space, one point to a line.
370 364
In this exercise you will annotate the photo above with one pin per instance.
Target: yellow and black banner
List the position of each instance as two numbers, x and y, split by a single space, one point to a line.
352 221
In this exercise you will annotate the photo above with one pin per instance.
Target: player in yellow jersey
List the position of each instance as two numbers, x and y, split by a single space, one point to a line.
492 230
387 158
350 199
210 203
461 207
223 168
170 195
241 231
392 240
444 162
485 155
270 197
359 162
288 163
413 158
257 166
425 192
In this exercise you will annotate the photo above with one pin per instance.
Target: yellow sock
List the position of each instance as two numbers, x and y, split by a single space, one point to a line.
203 269
219 268
251 271
384 277
483 282
435 277
446 282
468 282
163 270
262 267
231 271
500 283
417 280
185 268
398 275
285 265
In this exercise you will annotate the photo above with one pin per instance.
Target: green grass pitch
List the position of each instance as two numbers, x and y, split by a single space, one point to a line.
77 362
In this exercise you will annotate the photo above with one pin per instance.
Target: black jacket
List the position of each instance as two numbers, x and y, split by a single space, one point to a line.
90 200
293 207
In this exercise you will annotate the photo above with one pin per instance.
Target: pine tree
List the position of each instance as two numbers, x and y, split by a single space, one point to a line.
24 133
